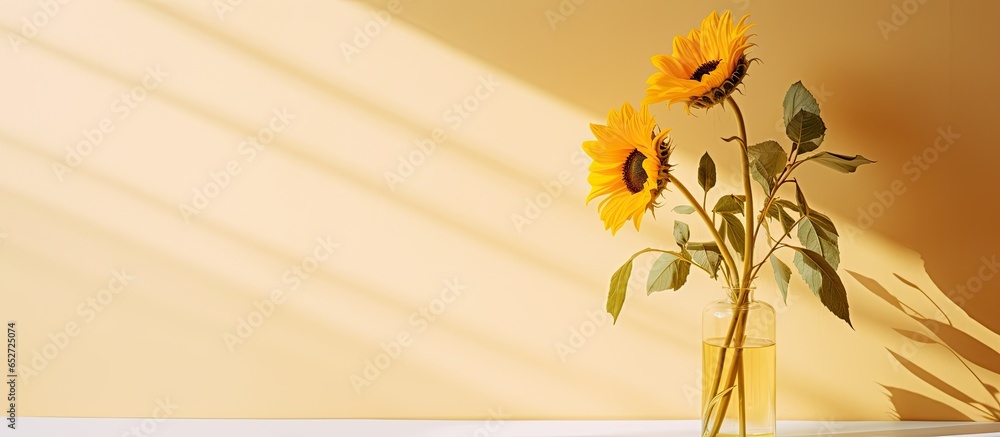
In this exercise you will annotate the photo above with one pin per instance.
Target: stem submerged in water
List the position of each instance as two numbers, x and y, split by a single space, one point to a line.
734 341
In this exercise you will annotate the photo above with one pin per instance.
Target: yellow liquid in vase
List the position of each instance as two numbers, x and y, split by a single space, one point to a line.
758 386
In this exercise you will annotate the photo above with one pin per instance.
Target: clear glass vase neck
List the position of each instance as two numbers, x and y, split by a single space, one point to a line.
734 293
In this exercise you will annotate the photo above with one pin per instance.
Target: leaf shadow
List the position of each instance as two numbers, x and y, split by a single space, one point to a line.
965 349
908 404
964 344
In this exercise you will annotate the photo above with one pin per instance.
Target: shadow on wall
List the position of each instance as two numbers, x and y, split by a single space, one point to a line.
971 357
936 168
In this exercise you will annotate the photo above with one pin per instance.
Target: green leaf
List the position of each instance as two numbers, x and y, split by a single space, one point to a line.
815 238
841 163
824 282
729 204
767 160
823 221
801 198
733 230
778 213
798 98
681 233
805 126
706 172
819 218
759 172
669 272
706 255
787 204
683 209
771 154
619 285
782 274
809 146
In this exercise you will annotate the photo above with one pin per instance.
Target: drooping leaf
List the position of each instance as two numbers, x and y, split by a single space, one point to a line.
706 255
841 163
733 229
669 272
706 172
619 285
778 213
729 204
767 160
681 233
823 281
683 209
805 126
815 238
782 274
801 199
798 98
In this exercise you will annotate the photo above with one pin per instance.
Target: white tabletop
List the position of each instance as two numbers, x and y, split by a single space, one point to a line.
34 426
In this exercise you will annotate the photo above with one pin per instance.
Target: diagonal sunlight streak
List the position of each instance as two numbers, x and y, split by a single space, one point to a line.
273 61
343 333
228 123
527 256
328 88
473 334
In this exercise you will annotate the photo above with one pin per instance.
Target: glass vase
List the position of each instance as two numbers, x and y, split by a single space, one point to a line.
738 364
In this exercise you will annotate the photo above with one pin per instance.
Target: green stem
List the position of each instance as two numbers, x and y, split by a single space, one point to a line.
782 178
738 324
748 212
774 247
740 384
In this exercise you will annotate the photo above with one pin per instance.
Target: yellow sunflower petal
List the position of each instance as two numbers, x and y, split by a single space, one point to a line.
627 136
706 65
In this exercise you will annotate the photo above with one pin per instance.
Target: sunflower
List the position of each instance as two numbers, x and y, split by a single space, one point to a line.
706 66
630 166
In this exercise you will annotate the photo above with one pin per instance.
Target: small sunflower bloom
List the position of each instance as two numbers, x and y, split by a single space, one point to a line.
630 166
706 66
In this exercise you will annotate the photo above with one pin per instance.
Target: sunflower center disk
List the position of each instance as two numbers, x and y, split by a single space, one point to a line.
633 174
704 69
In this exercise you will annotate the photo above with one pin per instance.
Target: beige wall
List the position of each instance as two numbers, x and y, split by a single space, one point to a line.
435 261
